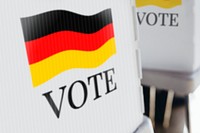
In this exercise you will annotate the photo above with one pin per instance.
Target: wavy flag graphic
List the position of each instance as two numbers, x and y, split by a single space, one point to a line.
59 40
159 3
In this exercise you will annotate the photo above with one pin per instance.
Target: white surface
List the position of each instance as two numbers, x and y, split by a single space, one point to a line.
194 106
172 48
145 127
25 110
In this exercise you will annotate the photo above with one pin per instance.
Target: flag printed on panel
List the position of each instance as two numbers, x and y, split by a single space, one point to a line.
159 3
59 40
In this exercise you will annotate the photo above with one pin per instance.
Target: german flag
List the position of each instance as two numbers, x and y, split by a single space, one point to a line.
59 40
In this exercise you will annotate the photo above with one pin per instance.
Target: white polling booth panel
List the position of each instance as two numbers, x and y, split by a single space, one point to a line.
68 66
169 34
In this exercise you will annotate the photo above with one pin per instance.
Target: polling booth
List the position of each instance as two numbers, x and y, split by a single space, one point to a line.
69 66
169 35
169 40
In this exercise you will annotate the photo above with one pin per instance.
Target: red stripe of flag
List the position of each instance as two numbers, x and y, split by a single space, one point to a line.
49 45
